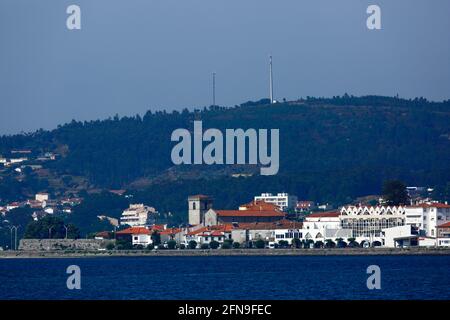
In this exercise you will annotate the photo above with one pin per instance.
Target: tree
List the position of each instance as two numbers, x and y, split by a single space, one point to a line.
204 246
330 243
227 244
192 244
171 244
123 245
394 193
307 243
318 244
236 245
150 247
260 244
50 227
283 244
341 244
110 246
296 243
376 244
156 238
214 244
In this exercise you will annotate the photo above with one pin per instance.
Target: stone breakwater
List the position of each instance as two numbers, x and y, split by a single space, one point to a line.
71 253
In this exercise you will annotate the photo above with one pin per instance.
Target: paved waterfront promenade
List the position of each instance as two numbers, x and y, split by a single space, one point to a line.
224 252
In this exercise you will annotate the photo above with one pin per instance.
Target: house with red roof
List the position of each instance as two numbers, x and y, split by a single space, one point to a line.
256 211
427 216
139 235
207 234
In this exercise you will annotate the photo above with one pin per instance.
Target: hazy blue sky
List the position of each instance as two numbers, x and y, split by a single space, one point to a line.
135 55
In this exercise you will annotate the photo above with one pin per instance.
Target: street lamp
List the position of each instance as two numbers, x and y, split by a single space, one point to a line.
15 241
13 244
11 232
66 227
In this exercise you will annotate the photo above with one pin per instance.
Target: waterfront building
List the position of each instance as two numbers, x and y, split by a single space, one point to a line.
207 234
321 226
139 235
137 215
427 216
400 237
367 222
283 201
256 211
443 235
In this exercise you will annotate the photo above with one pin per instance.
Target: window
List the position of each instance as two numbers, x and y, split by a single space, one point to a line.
193 205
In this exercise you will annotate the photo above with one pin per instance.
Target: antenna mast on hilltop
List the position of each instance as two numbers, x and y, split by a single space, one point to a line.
214 88
270 80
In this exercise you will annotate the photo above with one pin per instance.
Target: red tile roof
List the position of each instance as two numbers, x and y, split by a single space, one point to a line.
218 228
260 205
170 231
249 213
103 234
330 214
134 230
432 205
444 225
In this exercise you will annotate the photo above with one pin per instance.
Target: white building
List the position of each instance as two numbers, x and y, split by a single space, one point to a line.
41 197
137 215
399 237
427 216
324 225
283 200
367 222
139 235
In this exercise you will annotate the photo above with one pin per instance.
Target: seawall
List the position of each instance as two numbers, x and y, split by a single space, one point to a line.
70 253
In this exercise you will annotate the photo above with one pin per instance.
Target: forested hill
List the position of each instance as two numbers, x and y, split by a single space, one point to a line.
330 149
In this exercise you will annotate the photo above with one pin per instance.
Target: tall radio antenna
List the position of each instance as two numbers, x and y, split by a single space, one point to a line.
214 88
271 80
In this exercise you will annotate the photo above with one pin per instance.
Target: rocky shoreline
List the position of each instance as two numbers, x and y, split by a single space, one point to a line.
21 254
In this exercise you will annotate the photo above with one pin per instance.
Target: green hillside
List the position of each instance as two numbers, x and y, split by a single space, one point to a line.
330 150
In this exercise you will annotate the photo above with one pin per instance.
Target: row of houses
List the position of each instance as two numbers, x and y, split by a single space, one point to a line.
43 205
426 224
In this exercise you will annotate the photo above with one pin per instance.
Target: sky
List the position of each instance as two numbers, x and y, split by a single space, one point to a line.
134 55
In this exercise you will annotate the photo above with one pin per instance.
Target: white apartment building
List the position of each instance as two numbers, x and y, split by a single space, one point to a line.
137 215
427 216
283 200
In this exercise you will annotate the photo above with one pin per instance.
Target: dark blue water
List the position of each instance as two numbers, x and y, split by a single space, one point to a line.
310 277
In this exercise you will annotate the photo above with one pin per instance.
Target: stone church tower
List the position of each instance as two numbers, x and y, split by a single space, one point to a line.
198 206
